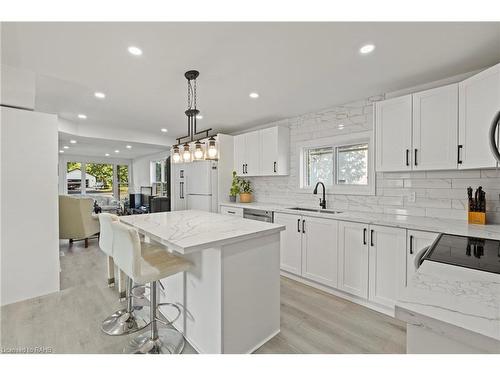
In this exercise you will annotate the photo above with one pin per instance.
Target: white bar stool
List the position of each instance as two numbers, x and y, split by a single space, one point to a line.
123 321
149 263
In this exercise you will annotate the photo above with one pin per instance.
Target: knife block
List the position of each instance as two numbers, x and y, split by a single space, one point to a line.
476 217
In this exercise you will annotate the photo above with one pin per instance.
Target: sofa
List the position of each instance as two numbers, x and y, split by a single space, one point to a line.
76 218
108 204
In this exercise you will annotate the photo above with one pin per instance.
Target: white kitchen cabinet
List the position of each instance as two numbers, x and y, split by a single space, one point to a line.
230 210
247 154
416 242
291 242
353 258
393 118
274 150
435 128
387 264
239 154
320 250
479 101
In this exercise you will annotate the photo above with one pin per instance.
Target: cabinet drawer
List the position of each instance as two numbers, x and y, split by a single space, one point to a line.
228 210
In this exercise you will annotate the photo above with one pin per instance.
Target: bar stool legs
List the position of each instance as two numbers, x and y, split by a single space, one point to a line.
111 272
157 340
124 321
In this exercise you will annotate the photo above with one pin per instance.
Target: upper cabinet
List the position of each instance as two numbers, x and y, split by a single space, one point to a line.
262 152
393 134
438 129
435 130
479 101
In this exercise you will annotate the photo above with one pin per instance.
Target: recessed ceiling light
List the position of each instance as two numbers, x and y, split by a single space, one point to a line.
199 117
367 48
82 116
128 146
254 95
61 151
66 147
72 141
136 51
341 126
164 130
106 154
99 95
117 151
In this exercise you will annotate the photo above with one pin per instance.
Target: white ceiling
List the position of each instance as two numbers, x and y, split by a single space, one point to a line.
295 67
98 148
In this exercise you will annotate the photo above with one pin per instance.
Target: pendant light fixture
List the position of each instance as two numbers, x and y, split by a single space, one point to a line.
193 135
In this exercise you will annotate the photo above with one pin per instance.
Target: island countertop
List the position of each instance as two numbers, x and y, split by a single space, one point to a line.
193 230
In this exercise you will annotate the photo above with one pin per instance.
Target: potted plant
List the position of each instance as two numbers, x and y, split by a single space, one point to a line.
235 188
245 191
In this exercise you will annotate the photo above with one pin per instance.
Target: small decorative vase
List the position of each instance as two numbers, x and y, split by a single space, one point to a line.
245 197
232 198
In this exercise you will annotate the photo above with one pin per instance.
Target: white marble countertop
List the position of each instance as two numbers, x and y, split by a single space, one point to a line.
461 297
192 230
451 226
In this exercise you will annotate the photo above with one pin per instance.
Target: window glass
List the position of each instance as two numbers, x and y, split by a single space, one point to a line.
122 171
74 177
157 175
99 179
319 165
352 165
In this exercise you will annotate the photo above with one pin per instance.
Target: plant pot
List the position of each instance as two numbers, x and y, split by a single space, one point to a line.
245 197
232 198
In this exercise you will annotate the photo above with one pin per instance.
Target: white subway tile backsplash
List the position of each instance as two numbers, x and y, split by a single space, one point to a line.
437 193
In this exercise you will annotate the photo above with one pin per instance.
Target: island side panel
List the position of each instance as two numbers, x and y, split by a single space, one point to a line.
199 291
250 293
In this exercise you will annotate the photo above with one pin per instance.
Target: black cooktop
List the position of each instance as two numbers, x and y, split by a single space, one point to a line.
477 253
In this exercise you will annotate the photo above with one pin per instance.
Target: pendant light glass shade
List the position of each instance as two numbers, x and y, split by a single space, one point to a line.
176 156
186 154
212 149
198 151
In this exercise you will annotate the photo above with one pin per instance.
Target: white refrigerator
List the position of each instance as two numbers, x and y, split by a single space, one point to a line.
195 186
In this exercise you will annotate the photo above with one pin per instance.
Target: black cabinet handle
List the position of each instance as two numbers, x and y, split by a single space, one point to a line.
303 226
371 237
459 149
364 236
415 157
407 157
411 244
246 168
274 167
298 225
231 212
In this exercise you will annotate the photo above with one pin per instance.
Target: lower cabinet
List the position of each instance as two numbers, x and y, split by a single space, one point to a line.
309 247
387 260
416 241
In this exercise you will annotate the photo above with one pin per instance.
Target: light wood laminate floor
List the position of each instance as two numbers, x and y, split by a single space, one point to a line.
69 321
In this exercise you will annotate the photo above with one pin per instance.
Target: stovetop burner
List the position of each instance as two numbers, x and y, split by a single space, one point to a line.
476 253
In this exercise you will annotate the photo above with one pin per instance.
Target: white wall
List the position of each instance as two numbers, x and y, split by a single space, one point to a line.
29 201
141 170
17 87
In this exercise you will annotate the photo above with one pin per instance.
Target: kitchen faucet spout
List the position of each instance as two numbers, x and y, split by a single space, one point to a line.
322 202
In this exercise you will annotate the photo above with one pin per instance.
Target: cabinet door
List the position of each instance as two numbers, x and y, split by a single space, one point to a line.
291 242
416 243
269 151
387 264
178 178
435 128
479 101
252 154
320 250
353 258
393 119
239 154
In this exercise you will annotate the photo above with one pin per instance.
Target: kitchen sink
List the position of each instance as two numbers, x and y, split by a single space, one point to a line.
319 210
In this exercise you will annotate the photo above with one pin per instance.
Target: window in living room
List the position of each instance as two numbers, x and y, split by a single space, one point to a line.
74 177
99 179
123 177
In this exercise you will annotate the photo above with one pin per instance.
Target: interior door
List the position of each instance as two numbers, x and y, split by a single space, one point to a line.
393 119
417 241
320 250
479 100
387 264
353 258
252 154
435 128
291 242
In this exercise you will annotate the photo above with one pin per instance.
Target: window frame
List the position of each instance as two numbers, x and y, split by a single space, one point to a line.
336 142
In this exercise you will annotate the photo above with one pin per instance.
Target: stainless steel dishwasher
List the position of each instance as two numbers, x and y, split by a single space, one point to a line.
259 215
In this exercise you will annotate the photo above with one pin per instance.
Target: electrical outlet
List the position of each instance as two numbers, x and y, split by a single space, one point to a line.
412 197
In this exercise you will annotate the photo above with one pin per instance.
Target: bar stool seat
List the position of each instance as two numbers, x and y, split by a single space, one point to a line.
148 263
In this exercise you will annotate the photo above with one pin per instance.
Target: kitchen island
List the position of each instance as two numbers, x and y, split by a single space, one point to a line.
230 298
451 309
